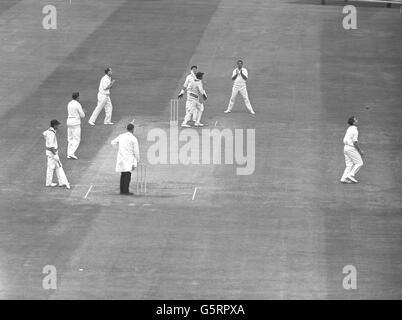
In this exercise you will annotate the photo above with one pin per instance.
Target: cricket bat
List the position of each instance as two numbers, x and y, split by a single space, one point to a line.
63 176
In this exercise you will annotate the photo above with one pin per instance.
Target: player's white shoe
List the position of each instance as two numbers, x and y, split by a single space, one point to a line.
108 123
185 125
51 185
252 112
227 111
65 185
72 157
199 124
353 179
91 123
345 181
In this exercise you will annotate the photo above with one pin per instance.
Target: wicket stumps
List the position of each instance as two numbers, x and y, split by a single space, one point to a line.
141 178
174 112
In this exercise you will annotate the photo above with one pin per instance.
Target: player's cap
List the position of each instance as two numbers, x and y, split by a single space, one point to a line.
75 95
54 123
199 75
193 67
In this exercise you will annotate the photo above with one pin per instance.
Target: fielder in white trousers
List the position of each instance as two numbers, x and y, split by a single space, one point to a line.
244 94
75 113
352 152
239 77
74 139
104 102
353 161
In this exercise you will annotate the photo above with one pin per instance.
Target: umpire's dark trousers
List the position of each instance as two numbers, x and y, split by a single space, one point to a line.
125 179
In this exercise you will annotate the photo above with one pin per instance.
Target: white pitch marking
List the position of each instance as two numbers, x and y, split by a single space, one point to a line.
89 190
195 191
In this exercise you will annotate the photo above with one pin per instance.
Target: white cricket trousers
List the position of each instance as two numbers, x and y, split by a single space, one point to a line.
197 114
243 92
353 161
73 138
103 102
192 104
52 164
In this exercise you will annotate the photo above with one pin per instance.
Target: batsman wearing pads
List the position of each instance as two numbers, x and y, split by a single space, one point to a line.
128 156
194 91
104 101
190 78
352 152
53 160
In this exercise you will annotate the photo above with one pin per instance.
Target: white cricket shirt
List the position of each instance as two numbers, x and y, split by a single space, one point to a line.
51 140
191 77
239 81
104 83
75 113
351 136
195 87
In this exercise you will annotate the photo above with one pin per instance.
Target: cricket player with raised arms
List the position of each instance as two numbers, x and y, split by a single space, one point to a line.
239 77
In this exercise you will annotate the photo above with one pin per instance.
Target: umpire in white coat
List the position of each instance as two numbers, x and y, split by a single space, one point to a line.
75 113
128 156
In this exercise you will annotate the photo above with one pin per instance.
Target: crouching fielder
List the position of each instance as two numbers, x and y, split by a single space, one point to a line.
193 105
352 152
53 160
128 157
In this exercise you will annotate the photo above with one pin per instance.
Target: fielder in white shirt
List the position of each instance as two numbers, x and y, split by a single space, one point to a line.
197 114
194 91
128 156
53 160
104 101
75 113
353 153
239 76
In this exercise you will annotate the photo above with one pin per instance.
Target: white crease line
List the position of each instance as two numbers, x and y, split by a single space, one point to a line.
195 191
89 190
